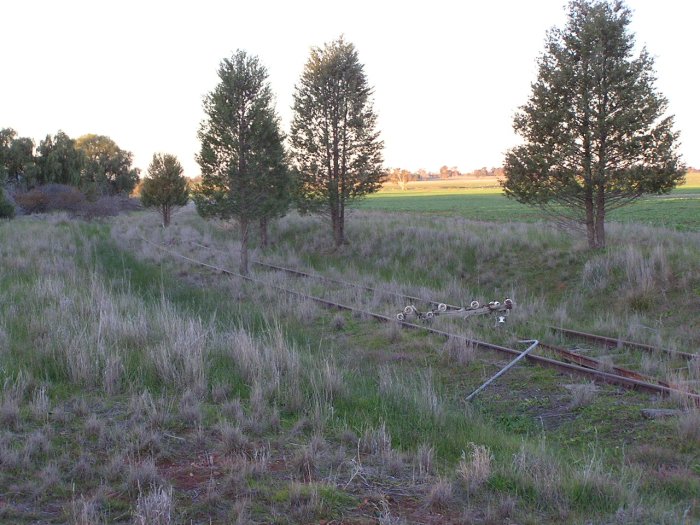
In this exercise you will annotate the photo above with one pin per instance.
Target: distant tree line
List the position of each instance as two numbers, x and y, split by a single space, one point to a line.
93 163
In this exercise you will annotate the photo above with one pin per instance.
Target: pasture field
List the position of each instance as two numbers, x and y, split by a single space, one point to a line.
481 199
140 388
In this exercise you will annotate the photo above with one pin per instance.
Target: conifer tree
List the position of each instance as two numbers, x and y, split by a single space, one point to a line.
244 171
334 141
164 187
595 130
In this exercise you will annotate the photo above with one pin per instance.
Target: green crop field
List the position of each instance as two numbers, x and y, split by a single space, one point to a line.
481 199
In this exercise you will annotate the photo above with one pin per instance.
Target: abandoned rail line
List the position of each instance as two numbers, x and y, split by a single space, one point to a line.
561 366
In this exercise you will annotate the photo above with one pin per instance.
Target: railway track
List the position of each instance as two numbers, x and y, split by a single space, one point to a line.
300 273
637 383
612 342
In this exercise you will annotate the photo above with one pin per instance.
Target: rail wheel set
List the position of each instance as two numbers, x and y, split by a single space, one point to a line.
474 308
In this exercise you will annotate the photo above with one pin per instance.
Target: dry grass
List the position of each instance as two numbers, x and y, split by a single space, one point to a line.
425 460
474 468
376 441
582 394
456 350
84 511
155 508
689 426
440 494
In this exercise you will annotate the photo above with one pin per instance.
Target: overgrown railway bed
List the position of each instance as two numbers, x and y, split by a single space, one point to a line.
573 363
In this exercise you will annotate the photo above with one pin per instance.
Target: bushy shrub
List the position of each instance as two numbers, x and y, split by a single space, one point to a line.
51 197
59 197
7 210
33 201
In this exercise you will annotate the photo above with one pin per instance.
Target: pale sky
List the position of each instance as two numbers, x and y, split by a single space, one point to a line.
448 76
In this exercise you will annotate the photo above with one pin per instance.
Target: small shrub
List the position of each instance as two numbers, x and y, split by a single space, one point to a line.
51 197
34 201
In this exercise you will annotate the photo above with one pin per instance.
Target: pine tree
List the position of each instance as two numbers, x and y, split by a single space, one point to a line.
244 171
596 135
164 187
334 141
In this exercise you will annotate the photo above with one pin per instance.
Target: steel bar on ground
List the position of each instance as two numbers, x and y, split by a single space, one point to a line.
503 370
597 365
611 341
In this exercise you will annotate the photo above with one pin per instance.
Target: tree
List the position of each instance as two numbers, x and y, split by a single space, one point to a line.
244 171
17 162
164 187
59 160
400 176
107 167
595 130
334 142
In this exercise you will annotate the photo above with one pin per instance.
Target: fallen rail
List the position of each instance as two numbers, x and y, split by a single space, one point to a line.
596 375
589 362
615 342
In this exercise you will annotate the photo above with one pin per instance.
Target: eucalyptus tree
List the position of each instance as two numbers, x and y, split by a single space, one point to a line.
59 160
596 134
335 144
108 168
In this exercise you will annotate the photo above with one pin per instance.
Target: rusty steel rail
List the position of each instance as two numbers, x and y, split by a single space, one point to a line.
615 342
561 366
589 362
301 273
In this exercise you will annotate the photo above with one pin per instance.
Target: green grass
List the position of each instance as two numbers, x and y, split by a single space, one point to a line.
476 200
